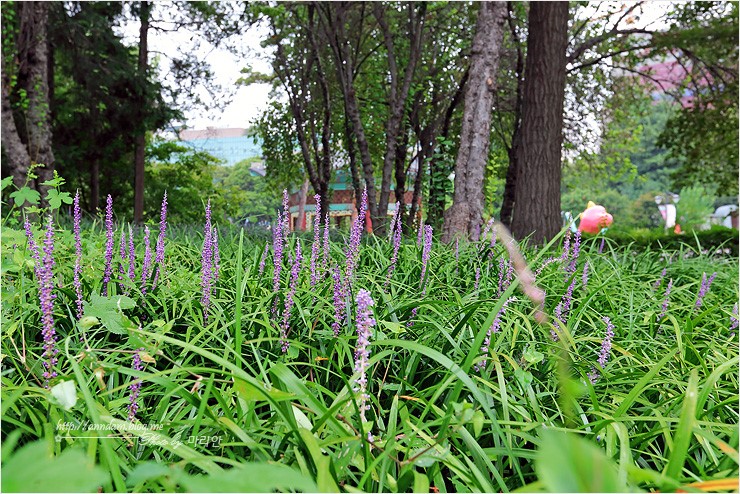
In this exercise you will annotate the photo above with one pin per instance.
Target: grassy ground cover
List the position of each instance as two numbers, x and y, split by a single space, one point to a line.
629 385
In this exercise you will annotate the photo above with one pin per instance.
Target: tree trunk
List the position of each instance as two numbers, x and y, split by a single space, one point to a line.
399 90
302 196
352 156
34 19
14 149
140 139
464 217
538 155
507 206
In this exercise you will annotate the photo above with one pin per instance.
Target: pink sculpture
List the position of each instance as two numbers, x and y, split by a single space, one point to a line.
594 218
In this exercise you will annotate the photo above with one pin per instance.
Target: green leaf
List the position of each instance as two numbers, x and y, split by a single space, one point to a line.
478 420
56 198
524 377
64 394
34 469
249 392
532 356
5 183
251 477
57 181
684 429
108 311
147 470
568 463
25 194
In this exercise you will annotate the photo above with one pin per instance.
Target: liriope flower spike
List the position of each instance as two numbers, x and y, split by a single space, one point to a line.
78 253
365 323
495 328
46 298
108 244
295 271
159 255
706 283
606 347
316 240
135 387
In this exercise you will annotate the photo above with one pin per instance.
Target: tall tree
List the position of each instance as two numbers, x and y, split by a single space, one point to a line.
140 138
26 66
300 72
392 74
464 217
537 197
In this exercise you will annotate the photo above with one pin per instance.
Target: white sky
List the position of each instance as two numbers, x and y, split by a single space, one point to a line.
247 102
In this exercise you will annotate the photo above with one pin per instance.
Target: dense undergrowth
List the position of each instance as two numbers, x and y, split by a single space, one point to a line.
220 407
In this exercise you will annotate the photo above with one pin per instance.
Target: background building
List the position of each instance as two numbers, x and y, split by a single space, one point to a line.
231 145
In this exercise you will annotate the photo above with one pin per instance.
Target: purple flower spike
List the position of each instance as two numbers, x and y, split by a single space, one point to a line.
34 248
146 268
394 220
704 288
425 253
264 258
420 233
131 256
135 387
316 240
123 252
606 348
286 215
477 278
666 298
584 276
397 230
325 260
206 276
295 271
159 256
501 271
576 251
278 243
734 321
566 246
78 253
353 249
495 328
660 280
601 245
46 298
108 244
365 323
339 302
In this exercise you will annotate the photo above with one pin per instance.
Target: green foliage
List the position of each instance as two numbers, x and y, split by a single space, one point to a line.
694 207
703 135
255 199
716 239
33 468
644 212
187 176
568 463
222 408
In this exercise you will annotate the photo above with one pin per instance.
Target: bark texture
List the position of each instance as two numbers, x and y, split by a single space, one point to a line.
538 153
13 148
464 217
140 140
34 20
33 146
